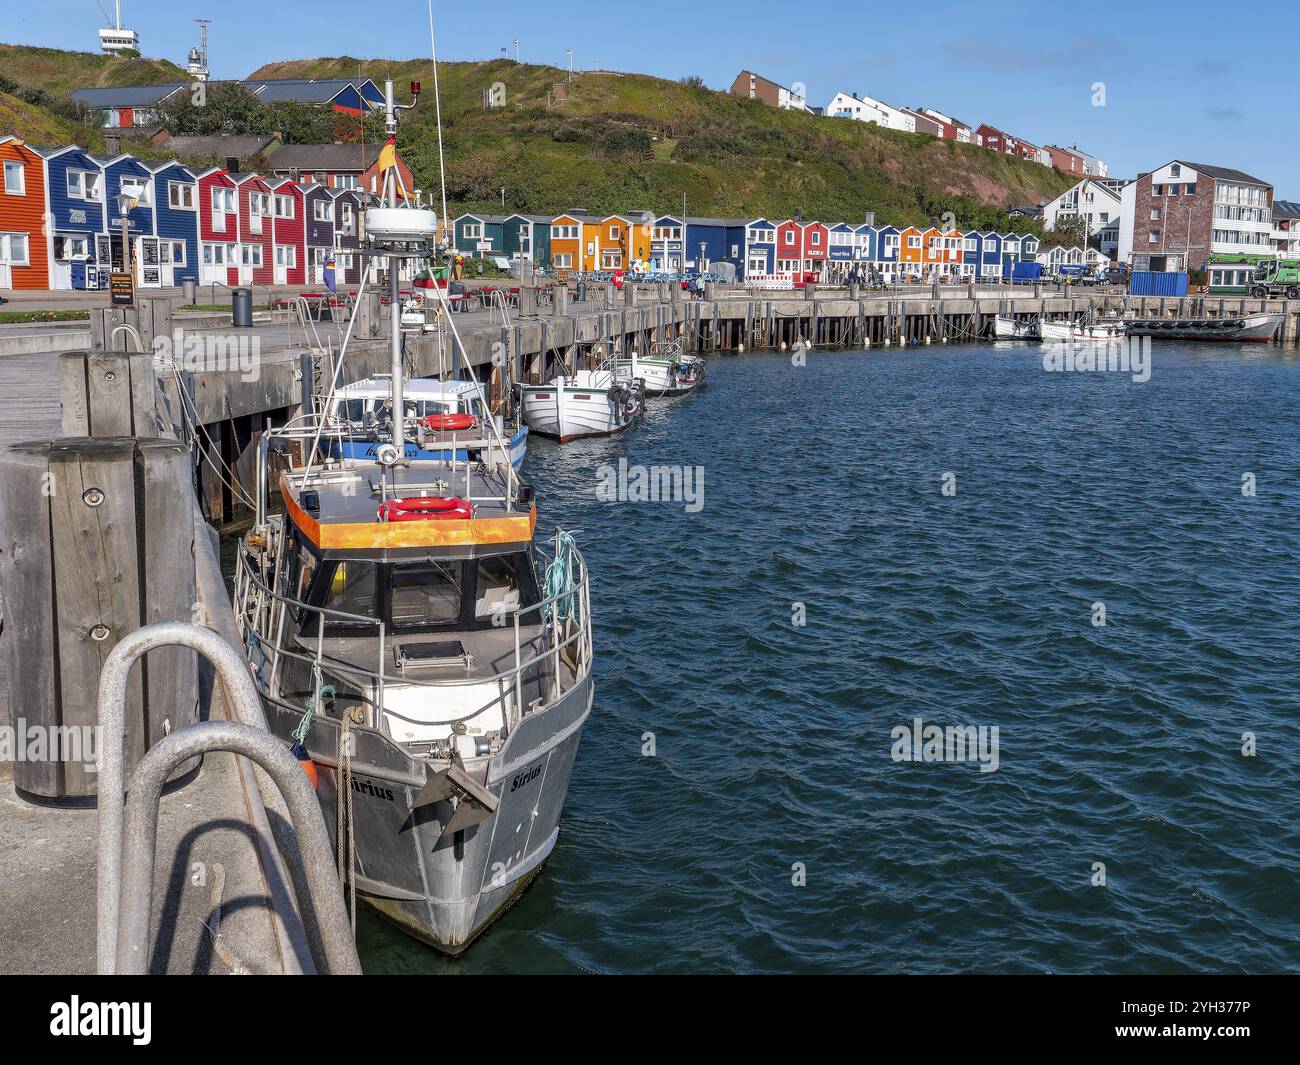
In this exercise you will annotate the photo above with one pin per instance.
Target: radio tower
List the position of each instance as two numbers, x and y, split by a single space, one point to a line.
198 64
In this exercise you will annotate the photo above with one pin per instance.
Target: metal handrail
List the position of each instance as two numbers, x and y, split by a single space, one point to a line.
326 912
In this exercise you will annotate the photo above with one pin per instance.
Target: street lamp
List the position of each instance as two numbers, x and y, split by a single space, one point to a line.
125 201
570 51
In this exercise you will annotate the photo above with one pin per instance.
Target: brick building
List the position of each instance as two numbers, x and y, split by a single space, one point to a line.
751 86
1175 217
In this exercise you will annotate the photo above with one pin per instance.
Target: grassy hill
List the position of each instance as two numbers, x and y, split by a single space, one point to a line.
58 72
626 142
38 126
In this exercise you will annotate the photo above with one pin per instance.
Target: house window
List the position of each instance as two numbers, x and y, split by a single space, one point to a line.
15 184
1156 190
13 249
1175 170
83 185
564 232
344 181
815 238
180 195
563 261
284 207
320 211
172 251
789 236
1155 214
1153 237
136 188
66 248
346 216
1190 190
615 233
913 242
473 230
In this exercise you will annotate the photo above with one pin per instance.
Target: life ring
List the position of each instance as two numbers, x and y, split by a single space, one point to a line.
449 421
425 508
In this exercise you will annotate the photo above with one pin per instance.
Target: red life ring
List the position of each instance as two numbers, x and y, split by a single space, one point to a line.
425 508
449 421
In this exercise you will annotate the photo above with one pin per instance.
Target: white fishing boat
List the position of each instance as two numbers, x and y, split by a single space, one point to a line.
445 419
1065 329
670 373
1005 328
584 403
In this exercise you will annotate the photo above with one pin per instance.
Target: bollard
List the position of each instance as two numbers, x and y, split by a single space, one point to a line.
527 301
560 299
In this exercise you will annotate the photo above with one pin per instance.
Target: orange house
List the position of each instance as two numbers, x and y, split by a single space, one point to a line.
952 245
24 253
911 256
570 235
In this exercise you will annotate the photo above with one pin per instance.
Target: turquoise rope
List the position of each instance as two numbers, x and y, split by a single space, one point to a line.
304 726
559 583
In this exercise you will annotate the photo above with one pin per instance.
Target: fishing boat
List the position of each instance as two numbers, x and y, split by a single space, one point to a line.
445 418
1005 328
1242 327
428 660
671 373
1065 329
583 403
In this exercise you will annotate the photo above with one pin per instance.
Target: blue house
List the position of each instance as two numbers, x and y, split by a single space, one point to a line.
668 244
175 195
126 174
74 190
760 247
990 254
713 241
840 247
886 257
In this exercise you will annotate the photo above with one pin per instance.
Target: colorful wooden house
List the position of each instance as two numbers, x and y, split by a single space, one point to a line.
479 235
668 244
573 241
74 196
840 252
218 227
256 230
864 245
971 255
888 257
789 249
347 237
24 247
760 248
911 254
990 254
318 231
710 241
816 243
952 253
176 221
126 175
527 236
621 241
289 231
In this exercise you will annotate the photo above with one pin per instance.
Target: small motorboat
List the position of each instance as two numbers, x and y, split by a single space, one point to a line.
670 373
1064 329
1014 329
584 403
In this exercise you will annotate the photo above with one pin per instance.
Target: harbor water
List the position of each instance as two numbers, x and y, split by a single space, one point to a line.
1101 569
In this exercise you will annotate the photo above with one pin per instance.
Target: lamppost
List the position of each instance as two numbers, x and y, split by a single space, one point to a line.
570 51
125 201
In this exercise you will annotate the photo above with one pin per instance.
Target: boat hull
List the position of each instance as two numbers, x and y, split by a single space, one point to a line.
1251 328
445 889
1013 329
365 450
1073 331
569 413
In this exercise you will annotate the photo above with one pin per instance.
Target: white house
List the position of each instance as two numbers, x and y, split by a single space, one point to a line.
865 109
1095 202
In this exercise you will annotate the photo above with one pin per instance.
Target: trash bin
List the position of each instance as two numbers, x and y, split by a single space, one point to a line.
241 308
191 288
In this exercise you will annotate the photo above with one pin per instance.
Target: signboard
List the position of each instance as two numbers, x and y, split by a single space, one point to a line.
484 245
121 290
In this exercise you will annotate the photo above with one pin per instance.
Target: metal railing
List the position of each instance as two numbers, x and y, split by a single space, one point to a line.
262 609
119 909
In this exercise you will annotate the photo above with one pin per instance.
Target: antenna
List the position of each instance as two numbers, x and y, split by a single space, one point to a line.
203 38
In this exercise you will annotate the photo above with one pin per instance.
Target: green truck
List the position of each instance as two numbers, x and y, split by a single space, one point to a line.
1260 276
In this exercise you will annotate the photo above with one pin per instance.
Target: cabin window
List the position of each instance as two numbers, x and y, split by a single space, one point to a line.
15 185
473 230
320 211
563 261
172 251
13 249
71 248
428 593
180 196
353 589
497 593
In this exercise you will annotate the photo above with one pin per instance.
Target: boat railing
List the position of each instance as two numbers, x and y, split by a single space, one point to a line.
563 620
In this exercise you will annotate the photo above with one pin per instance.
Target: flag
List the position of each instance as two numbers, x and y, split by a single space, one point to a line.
388 156
329 272
1084 187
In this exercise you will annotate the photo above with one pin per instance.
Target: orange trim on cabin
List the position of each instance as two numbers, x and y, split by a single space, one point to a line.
377 535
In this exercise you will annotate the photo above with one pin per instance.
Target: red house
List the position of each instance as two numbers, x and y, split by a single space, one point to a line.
995 140
789 248
816 238
218 213
256 230
290 231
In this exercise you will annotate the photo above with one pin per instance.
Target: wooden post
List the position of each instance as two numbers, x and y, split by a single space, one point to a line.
104 529
560 304
109 394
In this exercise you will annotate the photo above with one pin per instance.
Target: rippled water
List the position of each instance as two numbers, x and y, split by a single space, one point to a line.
1119 744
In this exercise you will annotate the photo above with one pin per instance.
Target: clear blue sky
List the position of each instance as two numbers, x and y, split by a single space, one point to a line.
1028 68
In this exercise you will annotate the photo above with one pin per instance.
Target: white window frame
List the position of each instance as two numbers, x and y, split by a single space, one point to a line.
562 260
181 191
14 166
320 211
7 256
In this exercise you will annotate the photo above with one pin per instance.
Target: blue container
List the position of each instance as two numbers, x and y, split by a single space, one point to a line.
1157 283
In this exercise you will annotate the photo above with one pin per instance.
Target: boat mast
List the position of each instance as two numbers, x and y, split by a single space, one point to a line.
396 369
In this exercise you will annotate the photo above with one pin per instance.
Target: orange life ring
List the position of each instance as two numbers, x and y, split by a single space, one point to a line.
425 508
449 421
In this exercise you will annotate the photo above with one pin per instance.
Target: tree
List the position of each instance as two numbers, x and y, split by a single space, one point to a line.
1069 230
694 81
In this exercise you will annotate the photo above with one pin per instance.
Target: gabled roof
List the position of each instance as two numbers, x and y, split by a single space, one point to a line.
228 147
330 158
306 90
722 223
1286 209
128 95
1222 173
158 168
495 219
